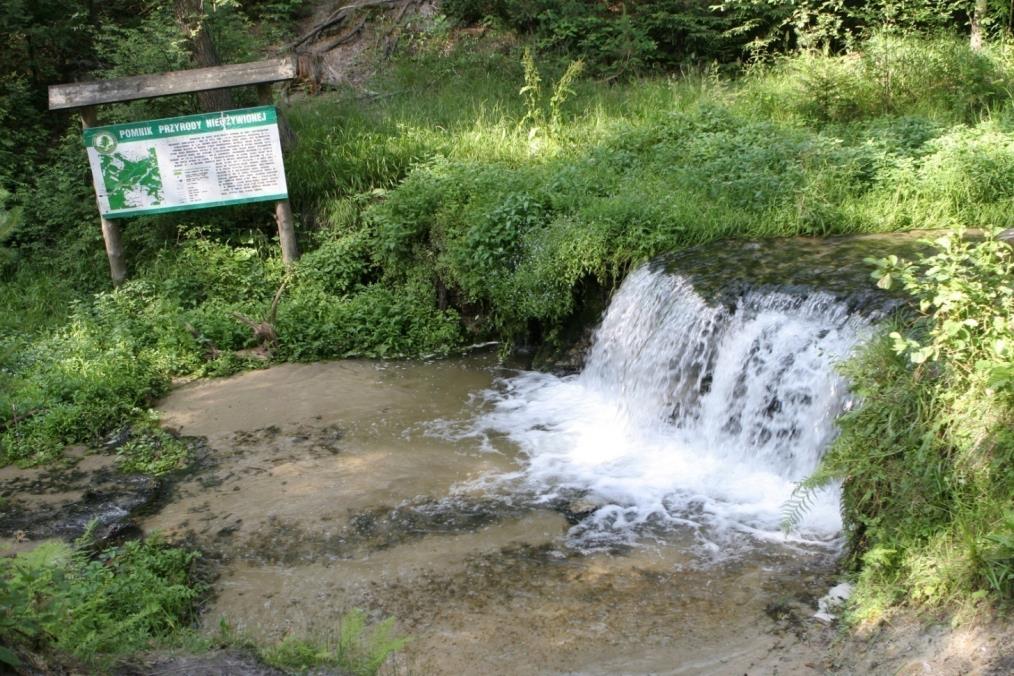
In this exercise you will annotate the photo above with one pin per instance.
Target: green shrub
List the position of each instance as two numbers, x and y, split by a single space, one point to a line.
152 451
928 459
618 39
379 321
339 265
90 608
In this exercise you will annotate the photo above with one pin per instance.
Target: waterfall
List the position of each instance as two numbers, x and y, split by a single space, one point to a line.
688 414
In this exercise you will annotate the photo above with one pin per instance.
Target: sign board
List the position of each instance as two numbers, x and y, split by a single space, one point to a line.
192 162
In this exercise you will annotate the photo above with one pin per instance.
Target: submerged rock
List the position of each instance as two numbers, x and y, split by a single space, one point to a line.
44 503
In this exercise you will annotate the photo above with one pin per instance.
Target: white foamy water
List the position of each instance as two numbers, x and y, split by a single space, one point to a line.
687 414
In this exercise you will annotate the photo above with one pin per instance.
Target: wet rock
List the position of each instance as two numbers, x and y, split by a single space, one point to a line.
722 272
214 663
832 602
578 510
58 503
281 541
118 439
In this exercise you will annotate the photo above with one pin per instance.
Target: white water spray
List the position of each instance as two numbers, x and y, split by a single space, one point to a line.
686 413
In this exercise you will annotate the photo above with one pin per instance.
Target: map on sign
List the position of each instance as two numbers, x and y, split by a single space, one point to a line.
189 162
132 180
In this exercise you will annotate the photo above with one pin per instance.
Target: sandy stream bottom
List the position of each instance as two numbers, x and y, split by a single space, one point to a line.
324 493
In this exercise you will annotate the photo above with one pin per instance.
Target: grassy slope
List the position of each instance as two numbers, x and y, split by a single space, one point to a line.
449 187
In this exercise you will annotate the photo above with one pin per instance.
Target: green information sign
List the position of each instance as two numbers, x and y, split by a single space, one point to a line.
190 162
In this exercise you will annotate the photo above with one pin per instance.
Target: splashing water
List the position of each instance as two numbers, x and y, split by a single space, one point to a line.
687 414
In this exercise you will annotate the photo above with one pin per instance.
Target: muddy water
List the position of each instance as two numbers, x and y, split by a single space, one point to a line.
326 490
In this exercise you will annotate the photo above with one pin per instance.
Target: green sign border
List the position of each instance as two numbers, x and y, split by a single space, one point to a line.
271 117
128 213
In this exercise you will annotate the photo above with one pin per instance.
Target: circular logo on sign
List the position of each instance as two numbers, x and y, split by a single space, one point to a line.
104 142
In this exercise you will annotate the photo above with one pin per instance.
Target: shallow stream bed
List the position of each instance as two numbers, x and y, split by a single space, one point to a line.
343 485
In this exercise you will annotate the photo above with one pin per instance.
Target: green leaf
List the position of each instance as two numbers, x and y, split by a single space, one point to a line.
8 657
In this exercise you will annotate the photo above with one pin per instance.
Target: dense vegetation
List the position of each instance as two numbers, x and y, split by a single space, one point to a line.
928 460
89 606
449 208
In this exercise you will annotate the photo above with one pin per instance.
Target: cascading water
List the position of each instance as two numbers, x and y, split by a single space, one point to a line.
687 413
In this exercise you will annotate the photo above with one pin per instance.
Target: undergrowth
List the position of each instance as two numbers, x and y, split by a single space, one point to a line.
927 460
87 608
84 608
355 648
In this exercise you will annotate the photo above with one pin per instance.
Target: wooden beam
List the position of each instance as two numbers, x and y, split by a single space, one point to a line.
283 210
110 229
80 94
286 232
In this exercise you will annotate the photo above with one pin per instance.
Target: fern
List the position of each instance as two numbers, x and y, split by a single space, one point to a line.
800 502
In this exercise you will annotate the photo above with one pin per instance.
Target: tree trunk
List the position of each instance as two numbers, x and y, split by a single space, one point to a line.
978 16
190 18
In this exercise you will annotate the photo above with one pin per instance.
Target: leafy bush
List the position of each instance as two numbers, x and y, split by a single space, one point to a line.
379 321
152 451
928 459
617 39
339 265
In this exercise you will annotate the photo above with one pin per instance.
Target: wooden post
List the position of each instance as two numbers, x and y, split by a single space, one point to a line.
283 210
110 229
286 232
87 95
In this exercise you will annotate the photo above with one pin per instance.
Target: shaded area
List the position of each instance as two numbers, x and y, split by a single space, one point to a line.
723 271
61 502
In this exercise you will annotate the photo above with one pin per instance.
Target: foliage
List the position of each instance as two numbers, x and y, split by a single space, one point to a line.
379 321
891 75
966 288
535 118
621 39
433 207
115 354
91 607
618 39
152 451
427 220
927 460
355 649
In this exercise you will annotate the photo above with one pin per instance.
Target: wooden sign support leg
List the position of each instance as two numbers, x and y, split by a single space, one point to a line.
110 229
283 210
286 232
